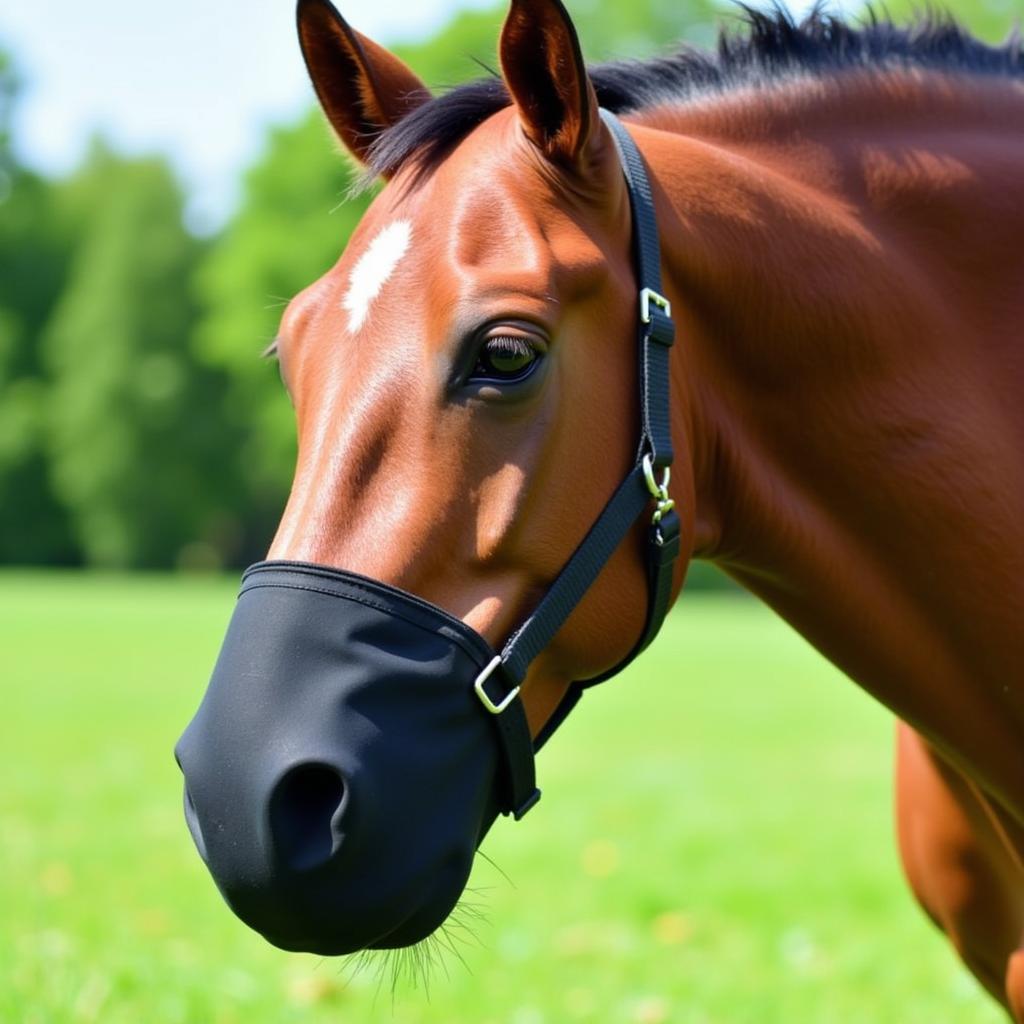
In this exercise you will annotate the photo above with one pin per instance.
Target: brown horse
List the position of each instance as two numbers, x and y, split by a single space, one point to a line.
842 215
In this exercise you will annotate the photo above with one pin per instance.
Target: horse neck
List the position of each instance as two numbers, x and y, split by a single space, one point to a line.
847 259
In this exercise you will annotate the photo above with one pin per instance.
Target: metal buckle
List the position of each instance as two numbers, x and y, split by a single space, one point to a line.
659 491
648 296
495 709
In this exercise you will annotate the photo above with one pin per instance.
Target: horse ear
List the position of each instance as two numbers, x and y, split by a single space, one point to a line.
362 88
544 71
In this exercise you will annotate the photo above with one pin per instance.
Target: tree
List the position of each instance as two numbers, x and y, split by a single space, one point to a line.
137 451
292 226
34 527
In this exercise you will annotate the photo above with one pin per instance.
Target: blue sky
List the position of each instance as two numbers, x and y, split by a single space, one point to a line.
196 79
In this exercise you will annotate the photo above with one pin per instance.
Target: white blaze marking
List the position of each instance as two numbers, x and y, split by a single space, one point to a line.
372 269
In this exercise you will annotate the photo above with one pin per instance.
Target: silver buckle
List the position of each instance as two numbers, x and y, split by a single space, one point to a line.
648 296
495 709
659 491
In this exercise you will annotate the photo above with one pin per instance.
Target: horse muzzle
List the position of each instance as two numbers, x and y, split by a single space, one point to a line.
340 771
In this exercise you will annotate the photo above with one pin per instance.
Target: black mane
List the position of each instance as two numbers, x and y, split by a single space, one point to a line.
770 46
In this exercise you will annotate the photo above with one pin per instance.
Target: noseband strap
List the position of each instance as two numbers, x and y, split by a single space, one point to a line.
646 482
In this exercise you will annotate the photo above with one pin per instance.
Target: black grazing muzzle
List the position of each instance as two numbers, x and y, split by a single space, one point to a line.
356 742
341 770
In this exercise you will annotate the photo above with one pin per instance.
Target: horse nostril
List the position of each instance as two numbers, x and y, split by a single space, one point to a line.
302 807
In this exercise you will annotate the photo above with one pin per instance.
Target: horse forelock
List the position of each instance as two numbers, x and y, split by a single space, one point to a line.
769 46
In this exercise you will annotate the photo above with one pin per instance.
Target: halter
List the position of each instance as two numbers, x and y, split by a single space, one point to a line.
498 684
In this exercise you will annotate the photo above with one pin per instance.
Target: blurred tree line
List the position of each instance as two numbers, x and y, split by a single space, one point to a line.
139 426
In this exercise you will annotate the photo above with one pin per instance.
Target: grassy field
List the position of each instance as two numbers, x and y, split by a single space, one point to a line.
714 843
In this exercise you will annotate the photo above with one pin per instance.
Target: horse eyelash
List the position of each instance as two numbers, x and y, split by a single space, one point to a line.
509 343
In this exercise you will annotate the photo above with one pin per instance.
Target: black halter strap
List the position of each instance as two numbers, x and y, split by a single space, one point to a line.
647 482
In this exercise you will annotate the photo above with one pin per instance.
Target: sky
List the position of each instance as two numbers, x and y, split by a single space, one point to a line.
198 80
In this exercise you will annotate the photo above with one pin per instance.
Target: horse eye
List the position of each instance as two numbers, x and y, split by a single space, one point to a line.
505 358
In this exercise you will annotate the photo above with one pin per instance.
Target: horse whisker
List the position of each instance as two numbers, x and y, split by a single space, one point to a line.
494 864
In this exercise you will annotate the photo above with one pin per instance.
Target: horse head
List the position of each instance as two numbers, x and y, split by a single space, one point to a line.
465 388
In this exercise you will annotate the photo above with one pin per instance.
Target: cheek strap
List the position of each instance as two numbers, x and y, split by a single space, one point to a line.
646 484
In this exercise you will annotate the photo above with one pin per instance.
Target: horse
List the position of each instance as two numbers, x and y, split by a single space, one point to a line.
839 212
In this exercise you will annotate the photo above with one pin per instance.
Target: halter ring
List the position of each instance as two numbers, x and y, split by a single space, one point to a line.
659 491
494 709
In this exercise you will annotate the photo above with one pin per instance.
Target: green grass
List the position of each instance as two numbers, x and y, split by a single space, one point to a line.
714 843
